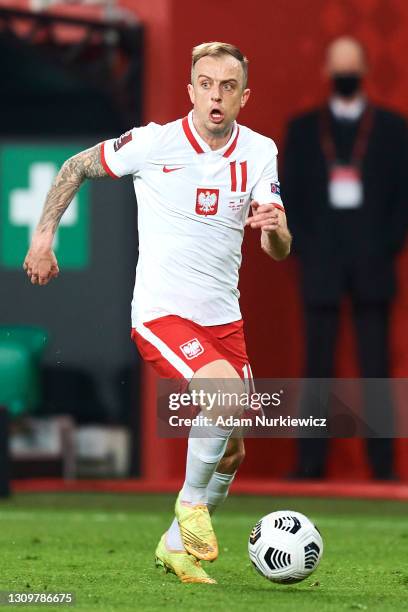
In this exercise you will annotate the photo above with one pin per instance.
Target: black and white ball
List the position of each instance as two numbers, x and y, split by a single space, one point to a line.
285 546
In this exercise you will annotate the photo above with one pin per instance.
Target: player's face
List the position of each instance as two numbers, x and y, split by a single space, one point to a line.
217 93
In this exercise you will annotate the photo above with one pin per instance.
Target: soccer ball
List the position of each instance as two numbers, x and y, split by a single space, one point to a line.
285 546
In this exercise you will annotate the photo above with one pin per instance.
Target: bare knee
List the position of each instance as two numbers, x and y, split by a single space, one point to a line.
220 387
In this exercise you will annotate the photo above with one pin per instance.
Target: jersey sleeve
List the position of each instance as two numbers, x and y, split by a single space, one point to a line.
267 189
128 153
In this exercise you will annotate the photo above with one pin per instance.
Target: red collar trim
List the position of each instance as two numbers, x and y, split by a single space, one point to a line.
231 148
196 145
190 136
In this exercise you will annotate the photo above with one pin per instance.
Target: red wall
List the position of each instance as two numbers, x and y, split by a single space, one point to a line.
284 41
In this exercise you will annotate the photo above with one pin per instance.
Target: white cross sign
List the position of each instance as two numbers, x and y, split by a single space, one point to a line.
26 204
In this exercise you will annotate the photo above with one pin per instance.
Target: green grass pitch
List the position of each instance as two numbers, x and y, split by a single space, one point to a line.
101 547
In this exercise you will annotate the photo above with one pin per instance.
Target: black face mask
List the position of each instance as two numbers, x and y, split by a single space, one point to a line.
346 84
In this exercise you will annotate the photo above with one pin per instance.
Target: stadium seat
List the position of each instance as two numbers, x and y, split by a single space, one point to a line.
21 349
34 339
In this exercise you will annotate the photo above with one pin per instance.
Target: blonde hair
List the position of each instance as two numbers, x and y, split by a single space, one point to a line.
218 49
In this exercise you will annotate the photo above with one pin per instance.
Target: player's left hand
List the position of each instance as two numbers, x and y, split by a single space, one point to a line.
40 264
264 216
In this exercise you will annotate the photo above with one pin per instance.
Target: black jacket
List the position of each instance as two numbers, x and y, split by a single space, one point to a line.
347 250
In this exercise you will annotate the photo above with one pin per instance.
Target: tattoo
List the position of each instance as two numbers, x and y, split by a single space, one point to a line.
75 170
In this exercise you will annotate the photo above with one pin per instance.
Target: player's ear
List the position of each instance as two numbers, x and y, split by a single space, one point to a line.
244 98
190 90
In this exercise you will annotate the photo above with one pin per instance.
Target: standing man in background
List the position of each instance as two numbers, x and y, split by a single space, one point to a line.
345 184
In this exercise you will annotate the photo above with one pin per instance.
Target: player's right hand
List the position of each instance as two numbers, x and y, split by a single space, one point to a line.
41 265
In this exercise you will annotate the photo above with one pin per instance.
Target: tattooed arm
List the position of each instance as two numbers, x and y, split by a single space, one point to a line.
40 263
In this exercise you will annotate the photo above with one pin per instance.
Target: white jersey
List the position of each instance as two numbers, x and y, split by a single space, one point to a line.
192 205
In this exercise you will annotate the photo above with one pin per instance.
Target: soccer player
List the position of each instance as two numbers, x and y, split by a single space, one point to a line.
195 181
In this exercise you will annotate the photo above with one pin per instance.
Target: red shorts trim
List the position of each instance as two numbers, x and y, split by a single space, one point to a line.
177 347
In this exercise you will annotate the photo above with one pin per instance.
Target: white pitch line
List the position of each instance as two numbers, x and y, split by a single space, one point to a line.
98 517
335 521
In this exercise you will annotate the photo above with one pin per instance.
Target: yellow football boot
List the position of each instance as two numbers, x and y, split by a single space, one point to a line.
196 530
184 566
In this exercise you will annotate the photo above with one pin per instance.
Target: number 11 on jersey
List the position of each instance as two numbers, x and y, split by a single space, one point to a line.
243 171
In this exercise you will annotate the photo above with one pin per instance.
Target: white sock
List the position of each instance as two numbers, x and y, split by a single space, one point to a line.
203 456
217 489
173 538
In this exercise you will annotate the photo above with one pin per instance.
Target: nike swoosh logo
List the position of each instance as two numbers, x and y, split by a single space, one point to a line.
165 169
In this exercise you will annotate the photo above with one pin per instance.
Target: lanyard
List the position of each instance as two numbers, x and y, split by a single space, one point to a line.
361 141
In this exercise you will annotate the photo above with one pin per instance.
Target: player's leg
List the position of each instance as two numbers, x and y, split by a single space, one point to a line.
206 448
170 552
232 346
218 487
161 342
158 343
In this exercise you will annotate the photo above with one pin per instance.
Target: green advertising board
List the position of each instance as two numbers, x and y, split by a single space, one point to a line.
26 174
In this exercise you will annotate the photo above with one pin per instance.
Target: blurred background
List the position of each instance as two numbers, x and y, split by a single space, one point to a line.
81 404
